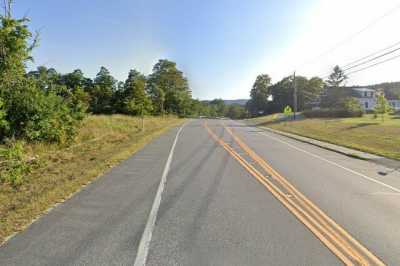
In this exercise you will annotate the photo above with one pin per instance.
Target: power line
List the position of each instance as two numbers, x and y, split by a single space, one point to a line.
352 36
378 63
351 65
372 54
372 23
372 59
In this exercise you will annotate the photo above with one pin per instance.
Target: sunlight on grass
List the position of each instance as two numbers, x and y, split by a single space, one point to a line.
102 142
263 119
365 133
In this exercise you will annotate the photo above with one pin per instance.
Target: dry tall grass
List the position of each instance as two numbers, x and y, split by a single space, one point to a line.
102 142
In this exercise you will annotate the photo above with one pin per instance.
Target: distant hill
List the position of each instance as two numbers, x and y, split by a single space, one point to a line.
392 89
238 101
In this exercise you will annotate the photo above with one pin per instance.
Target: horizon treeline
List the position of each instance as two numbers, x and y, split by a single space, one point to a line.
44 104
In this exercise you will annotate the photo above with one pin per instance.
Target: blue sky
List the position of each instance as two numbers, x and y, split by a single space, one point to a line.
220 45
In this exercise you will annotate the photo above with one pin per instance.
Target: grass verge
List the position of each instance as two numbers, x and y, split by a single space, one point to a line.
102 142
367 133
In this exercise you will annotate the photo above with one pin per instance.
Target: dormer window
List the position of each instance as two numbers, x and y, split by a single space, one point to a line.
365 94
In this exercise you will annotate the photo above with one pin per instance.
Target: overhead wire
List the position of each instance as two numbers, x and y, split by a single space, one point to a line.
376 64
352 36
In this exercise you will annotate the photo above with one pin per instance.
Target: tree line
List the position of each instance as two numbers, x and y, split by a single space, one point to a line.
267 98
44 104
331 97
165 90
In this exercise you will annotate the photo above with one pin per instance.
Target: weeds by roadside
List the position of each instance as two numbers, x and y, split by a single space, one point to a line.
46 173
13 164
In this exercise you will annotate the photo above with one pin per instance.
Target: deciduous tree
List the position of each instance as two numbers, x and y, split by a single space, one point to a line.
135 99
175 86
259 95
382 106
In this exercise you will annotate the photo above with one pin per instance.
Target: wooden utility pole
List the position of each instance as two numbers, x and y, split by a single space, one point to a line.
294 96
142 117
7 8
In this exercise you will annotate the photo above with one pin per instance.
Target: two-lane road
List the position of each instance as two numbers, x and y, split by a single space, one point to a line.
229 195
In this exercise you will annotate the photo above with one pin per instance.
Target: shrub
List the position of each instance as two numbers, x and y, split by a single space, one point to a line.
3 122
31 111
13 166
332 113
37 115
352 107
349 108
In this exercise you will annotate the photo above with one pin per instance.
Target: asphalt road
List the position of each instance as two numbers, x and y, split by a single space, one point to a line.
214 211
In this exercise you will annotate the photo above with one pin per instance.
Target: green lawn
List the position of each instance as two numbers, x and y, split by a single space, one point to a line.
362 133
262 119
102 142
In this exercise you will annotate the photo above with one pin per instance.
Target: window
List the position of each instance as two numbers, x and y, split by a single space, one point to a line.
365 94
366 105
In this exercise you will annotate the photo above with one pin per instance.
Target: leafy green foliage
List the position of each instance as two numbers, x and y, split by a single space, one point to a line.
353 107
33 105
236 111
157 96
13 166
329 113
14 48
218 107
4 125
176 96
36 115
335 94
259 95
350 107
382 106
101 94
336 78
335 97
133 97
274 98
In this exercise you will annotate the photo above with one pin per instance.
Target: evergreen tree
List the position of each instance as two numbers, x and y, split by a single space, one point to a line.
102 92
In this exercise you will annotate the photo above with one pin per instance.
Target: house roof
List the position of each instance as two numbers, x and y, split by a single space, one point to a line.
364 89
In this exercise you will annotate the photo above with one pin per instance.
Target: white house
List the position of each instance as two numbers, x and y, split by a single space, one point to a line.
367 98
395 104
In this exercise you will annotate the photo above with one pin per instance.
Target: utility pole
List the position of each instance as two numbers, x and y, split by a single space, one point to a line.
294 96
7 8
142 114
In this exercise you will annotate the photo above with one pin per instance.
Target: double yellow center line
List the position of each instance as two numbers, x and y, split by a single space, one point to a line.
332 235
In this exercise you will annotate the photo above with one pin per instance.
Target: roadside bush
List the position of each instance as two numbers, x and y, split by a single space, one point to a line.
36 115
3 122
349 108
331 113
13 167
236 111
353 107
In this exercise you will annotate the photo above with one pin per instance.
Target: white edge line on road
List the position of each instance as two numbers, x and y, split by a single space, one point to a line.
141 255
333 163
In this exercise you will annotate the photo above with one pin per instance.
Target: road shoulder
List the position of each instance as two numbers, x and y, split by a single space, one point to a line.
108 215
338 149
